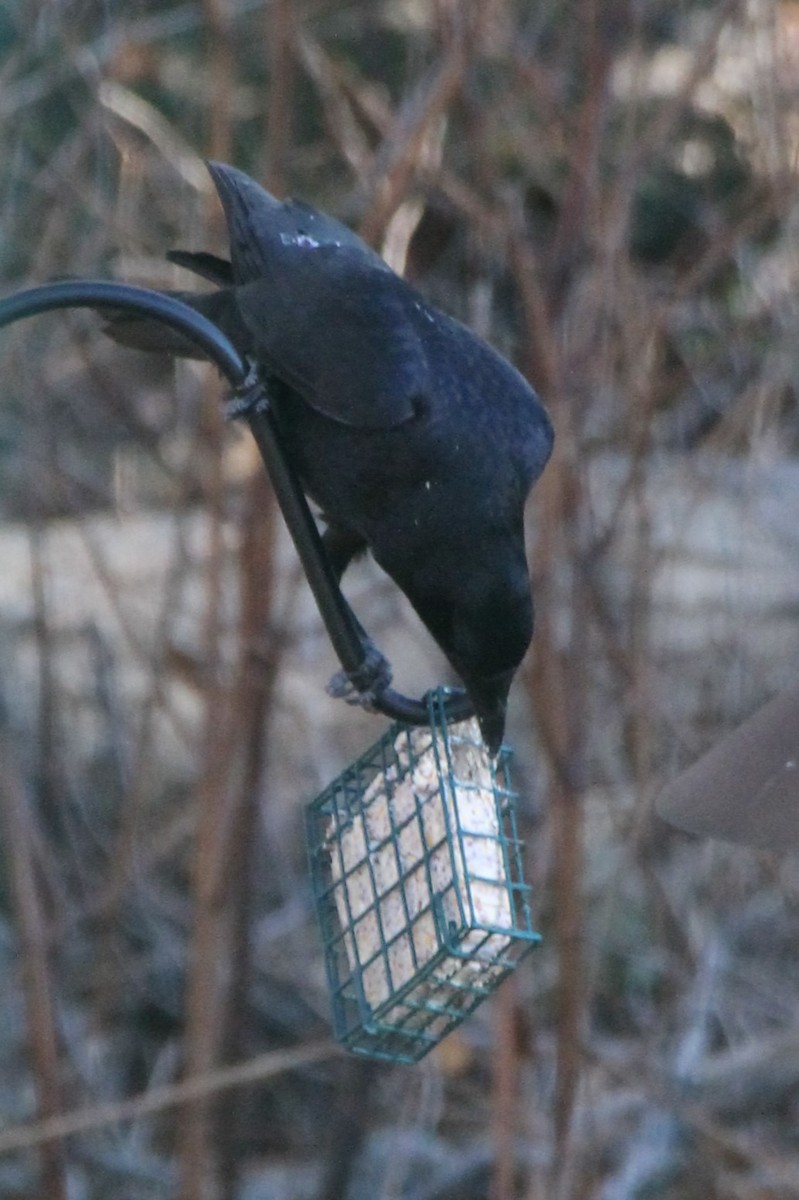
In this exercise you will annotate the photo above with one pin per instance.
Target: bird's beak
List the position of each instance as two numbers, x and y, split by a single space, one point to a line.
490 698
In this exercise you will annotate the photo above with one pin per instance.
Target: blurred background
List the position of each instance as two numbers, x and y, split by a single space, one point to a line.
606 190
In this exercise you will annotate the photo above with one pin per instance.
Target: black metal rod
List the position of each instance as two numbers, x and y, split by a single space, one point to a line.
336 612
339 620
99 293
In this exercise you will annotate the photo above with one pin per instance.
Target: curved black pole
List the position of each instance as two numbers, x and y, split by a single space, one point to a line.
339 620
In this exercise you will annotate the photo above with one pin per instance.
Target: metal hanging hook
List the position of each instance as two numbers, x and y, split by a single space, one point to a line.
340 622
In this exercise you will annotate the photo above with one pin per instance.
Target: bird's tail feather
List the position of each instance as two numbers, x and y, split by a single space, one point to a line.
144 333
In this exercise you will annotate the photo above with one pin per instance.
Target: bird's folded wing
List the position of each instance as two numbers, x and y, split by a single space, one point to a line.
342 333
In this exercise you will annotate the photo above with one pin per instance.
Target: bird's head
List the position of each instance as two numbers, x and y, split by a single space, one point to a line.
484 632
488 643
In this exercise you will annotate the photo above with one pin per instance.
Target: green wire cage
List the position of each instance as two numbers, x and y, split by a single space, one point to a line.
417 877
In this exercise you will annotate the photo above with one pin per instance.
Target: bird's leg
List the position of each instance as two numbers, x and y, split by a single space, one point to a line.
367 684
374 675
251 396
342 546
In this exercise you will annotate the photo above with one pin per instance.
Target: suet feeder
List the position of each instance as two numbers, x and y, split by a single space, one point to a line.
417 878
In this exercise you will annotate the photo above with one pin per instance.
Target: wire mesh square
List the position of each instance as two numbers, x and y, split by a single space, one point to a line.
417 877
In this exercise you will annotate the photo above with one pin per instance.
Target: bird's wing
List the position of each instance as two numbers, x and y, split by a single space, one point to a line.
325 312
341 332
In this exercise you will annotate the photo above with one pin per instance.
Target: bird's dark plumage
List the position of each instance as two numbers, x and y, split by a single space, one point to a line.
416 439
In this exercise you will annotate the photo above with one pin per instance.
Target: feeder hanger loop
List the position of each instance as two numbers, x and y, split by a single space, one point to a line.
342 627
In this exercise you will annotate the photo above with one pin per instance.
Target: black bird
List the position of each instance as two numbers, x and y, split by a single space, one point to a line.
415 438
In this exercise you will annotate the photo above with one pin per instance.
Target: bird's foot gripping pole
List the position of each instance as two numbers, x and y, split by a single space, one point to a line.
250 397
365 685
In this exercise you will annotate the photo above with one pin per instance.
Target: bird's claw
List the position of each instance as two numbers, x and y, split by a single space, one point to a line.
367 684
249 397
